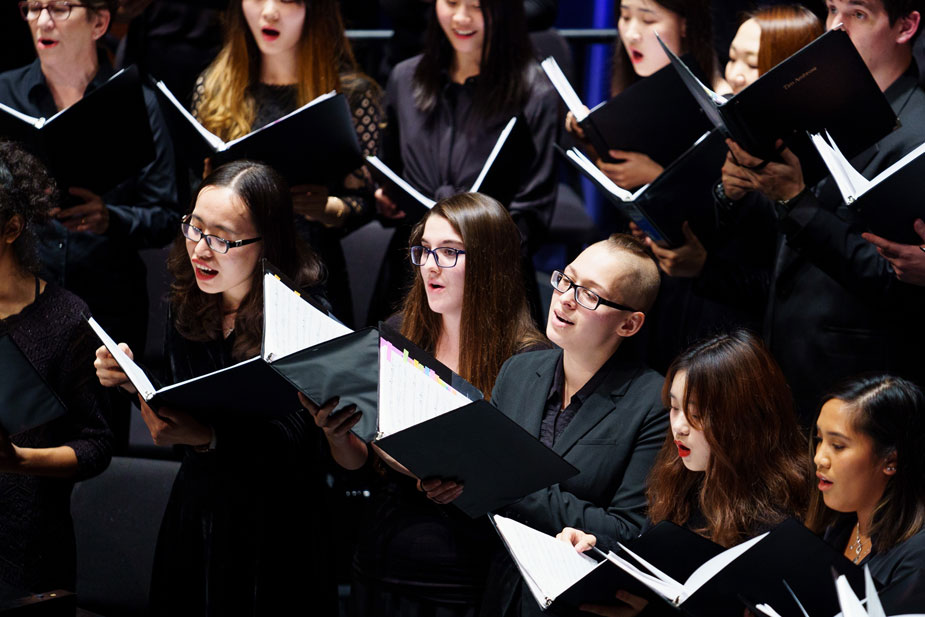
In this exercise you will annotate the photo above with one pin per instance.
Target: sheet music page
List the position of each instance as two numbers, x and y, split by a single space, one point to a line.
290 323
657 581
376 162
553 565
564 88
128 366
214 140
709 569
311 103
586 164
850 604
36 122
908 158
768 610
409 392
494 154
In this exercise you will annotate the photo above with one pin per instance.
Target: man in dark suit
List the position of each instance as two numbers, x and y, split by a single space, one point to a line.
591 402
835 306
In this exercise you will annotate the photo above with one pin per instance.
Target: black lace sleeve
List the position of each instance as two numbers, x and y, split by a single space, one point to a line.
365 99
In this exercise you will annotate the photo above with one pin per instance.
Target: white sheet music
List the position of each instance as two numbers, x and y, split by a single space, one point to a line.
409 392
552 566
290 323
214 140
494 154
128 366
564 88
376 162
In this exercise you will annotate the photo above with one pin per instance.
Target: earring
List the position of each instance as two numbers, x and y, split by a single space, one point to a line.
890 468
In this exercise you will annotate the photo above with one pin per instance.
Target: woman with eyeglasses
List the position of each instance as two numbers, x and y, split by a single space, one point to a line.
238 534
446 109
733 462
417 556
39 465
277 56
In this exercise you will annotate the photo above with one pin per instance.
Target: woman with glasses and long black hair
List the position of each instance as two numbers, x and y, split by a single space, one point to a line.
236 538
417 556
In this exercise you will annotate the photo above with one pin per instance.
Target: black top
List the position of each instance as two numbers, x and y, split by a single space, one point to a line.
556 418
36 534
900 570
240 535
106 270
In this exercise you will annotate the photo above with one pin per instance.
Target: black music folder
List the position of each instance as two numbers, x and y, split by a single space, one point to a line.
428 418
888 204
26 400
771 569
96 143
825 86
654 116
500 177
682 192
315 144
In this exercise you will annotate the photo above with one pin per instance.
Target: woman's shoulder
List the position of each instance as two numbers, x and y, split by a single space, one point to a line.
403 72
61 307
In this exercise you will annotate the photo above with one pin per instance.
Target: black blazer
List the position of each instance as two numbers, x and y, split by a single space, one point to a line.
836 308
612 440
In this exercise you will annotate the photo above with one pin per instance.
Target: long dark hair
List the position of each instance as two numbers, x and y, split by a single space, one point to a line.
757 473
505 75
698 42
198 315
891 411
27 191
496 320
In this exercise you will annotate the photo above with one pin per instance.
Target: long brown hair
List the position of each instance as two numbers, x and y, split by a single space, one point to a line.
496 321
891 411
226 107
785 29
757 473
698 42
198 315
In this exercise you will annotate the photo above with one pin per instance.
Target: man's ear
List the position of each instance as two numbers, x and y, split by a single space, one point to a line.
908 25
632 324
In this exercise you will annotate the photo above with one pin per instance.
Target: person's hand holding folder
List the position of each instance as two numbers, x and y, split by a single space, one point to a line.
89 215
780 181
630 170
169 427
108 370
348 450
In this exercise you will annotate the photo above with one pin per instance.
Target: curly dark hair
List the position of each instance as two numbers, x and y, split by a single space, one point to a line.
27 191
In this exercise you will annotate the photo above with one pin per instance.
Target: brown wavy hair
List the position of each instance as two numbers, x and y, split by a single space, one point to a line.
225 105
785 29
496 320
757 472
198 315
698 42
891 411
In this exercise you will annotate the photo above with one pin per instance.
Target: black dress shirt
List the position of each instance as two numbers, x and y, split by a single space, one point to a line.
556 418
105 270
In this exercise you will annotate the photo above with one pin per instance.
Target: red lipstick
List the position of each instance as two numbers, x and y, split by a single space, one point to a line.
683 450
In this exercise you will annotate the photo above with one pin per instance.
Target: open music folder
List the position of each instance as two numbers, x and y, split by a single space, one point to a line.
96 143
888 203
823 86
500 177
653 116
677 569
315 144
682 192
26 399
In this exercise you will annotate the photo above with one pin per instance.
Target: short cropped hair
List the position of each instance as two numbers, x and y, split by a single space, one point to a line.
643 280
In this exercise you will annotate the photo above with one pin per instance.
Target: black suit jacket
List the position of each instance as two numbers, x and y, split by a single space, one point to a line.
836 308
612 440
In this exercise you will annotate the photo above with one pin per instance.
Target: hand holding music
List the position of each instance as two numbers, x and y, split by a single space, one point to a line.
108 370
685 261
386 207
778 180
439 490
632 169
907 260
91 215
572 126
580 540
170 427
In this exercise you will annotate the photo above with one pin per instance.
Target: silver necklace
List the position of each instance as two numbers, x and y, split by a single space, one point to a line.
857 546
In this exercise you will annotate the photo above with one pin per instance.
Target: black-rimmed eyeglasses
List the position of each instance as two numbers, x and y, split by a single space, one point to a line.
583 296
444 256
58 9
216 243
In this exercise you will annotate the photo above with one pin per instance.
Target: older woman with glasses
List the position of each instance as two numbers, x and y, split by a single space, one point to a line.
467 306
235 539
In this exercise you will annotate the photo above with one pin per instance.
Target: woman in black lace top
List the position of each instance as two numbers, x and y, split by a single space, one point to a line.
277 56
39 466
